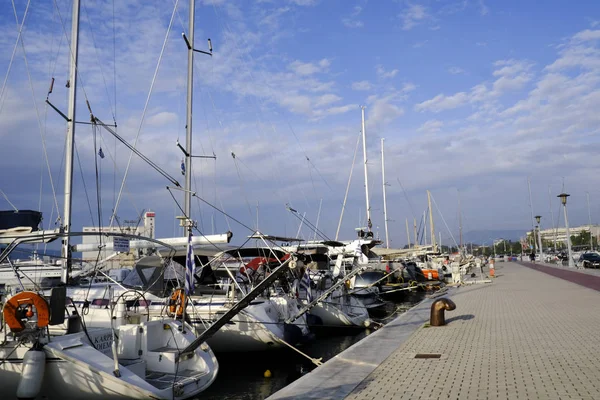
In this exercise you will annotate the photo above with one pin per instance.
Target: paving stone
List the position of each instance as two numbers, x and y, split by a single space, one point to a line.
527 335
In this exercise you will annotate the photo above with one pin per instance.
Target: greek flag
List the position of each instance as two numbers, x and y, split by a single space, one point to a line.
101 153
182 168
305 284
190 268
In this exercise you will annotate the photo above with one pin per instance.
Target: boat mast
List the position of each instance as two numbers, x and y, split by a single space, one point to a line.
407 233
415 232
431 225
70 143
460 225
364 135
385 218
187 204
425 228
590 219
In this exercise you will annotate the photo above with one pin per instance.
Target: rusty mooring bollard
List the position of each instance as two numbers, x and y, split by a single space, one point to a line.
437 311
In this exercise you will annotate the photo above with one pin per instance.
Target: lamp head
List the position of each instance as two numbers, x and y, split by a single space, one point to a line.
563 198
537 218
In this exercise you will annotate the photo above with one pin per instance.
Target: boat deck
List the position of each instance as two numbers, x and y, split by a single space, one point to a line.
527 334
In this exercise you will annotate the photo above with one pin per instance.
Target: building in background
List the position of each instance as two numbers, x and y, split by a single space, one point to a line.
144 226
560 234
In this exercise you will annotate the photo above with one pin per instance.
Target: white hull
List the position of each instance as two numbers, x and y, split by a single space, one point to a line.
336 315
75 369
258 327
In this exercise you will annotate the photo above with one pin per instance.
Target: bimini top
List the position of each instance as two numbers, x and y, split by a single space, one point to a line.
10 219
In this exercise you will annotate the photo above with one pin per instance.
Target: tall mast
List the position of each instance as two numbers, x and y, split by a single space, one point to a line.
424 228
407 233
460 225
70 143
385 218
431 225
415 231
590 219
364 135
187 208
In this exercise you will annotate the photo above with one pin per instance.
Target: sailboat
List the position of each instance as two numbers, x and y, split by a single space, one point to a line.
145 359
259 326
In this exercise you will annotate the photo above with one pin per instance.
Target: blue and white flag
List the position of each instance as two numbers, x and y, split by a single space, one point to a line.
190 268
101 153
182 168
305 284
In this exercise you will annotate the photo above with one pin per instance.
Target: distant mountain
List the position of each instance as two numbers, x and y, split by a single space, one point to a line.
479 237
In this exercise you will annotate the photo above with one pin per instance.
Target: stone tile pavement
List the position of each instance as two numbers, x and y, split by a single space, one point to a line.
527 335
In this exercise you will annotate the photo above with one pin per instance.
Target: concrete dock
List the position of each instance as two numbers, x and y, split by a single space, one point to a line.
530 334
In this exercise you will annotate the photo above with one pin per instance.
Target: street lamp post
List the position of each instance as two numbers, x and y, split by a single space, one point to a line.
563 199
539 231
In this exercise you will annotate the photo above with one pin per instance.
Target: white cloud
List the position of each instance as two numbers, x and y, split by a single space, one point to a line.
383 110
318 114
512 75
587 35
162 118
420 44
303 68
327 99
456 70
351 21
483 9
303 2
431 126
362 85
382 73
413 15
442 102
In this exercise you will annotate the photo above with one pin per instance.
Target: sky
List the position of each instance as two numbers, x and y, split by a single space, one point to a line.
473 98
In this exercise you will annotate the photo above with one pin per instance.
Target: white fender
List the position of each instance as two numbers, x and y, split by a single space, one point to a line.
32 376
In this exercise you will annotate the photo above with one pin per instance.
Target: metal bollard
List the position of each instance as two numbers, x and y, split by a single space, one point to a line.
437 311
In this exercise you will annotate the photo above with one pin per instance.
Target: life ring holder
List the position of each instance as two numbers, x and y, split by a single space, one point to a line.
20 306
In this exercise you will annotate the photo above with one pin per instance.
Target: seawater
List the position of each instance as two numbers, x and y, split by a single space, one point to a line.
241 375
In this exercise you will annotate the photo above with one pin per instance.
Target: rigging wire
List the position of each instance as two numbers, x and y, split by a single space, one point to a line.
237 168
162 51
443 219
116 169
115 98
90 26
337 233
98 179
39 120
226 27
12 57
412 211
87 197
79 75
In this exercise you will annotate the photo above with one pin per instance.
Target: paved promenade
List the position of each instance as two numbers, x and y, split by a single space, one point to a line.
527 335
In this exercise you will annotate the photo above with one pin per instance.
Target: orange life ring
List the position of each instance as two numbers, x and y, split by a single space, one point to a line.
25 301
177 302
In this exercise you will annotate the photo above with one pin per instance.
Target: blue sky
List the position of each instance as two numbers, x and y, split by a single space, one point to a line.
472 97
